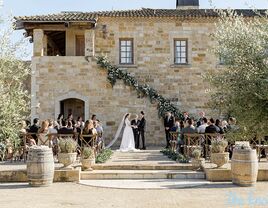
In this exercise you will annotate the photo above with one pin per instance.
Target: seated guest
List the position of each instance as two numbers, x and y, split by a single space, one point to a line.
42 134
89 130
224 125
52 127
190 129
218 124
232 124
211 128
200 121
34 128
202 128
93 117
64 129
80 124
23 131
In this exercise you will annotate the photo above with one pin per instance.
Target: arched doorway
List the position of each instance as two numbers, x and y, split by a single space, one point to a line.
70 101
72 106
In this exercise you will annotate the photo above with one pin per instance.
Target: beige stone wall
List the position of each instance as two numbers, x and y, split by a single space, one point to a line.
53 77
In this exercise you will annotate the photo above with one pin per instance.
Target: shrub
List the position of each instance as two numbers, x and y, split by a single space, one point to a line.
88 153
67 145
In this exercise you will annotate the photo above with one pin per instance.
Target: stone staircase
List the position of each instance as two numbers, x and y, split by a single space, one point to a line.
150 164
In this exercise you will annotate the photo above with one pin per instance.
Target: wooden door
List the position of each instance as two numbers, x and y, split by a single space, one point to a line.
80 45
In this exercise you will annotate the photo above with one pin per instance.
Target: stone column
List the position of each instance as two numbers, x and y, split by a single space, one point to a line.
38 36
90 43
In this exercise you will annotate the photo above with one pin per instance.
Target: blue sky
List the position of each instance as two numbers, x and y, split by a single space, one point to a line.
33 7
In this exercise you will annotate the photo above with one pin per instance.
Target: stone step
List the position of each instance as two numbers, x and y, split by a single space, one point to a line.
147 183
141 174
187 166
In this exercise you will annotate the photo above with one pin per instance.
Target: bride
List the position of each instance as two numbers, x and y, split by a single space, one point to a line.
127 143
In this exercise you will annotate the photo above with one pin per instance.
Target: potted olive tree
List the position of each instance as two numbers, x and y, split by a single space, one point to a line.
88 158
67 155
196 160
218 154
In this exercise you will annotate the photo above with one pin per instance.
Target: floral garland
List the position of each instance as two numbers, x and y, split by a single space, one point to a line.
114 73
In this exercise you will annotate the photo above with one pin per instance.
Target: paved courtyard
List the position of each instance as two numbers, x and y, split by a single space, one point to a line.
75 195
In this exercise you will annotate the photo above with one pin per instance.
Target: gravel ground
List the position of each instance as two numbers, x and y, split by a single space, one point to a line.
74 195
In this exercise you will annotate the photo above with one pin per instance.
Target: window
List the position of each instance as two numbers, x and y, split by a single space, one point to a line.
180 52
126 51
56 43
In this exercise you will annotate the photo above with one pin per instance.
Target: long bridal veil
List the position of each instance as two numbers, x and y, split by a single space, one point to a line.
117 134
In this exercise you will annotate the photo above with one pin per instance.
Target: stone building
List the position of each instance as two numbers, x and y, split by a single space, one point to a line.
165 48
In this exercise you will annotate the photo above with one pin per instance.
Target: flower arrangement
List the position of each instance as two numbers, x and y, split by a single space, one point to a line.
114 73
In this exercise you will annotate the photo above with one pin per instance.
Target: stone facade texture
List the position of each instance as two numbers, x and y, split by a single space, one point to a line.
54 77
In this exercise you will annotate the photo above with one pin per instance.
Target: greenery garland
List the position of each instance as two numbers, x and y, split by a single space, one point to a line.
104 156
114 73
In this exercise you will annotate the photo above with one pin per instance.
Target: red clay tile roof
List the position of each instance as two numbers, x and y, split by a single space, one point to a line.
144 12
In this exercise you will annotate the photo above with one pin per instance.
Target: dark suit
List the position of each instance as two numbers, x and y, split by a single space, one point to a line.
34 129
136 133
168 123
142 128
65 130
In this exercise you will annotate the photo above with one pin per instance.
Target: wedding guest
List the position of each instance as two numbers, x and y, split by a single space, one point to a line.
44 127
218 124
211 128
185 116
202 128
34 128
71 119
23 130
190 129
200 121
99 130
42 132
168 124
93 117
80 124
64 129
232 124
52 127
91 131
177 128
224 125
59 120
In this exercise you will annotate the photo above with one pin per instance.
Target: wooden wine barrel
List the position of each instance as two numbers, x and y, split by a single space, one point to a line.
40 166
244 167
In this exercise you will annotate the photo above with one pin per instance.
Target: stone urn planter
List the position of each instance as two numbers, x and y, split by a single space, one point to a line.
88 158
67 159
244 166
218 154
67 155
196 160
220 159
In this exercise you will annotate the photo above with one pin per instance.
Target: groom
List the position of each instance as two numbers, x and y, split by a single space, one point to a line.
135 123
142 128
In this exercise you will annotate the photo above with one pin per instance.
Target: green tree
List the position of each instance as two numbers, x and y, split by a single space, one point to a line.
14 100
240 89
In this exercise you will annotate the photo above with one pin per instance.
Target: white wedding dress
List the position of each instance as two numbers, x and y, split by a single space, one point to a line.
127 143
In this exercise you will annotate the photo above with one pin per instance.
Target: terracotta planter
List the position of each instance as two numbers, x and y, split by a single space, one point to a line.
244 167
219 159
67 159
88 163
197 162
